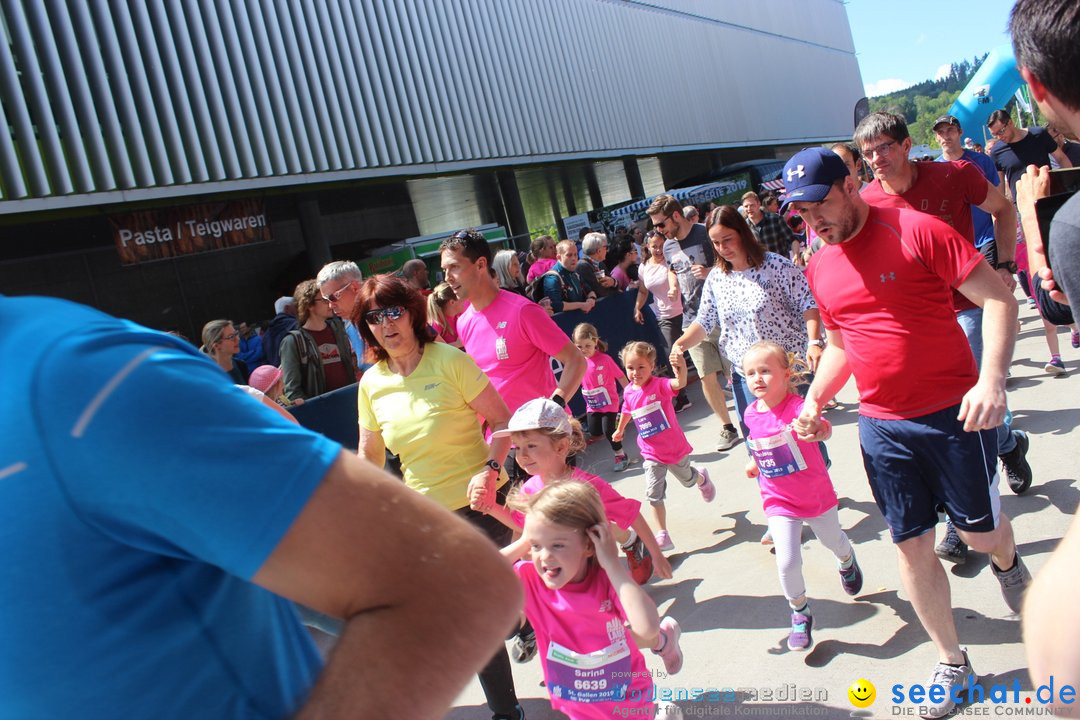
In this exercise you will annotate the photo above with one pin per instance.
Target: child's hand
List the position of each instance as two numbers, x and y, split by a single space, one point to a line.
617 436
606 552
678 362
661 567
752 470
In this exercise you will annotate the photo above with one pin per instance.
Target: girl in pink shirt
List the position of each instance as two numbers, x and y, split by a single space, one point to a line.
443 309
544 438
590 617
794 483
599 388
662 442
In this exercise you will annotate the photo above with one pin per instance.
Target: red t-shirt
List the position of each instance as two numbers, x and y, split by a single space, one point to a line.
330 354
887 292
946 190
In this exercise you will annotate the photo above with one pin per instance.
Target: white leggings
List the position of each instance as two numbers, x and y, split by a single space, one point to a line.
787 539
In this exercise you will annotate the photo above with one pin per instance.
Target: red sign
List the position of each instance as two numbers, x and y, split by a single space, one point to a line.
170 232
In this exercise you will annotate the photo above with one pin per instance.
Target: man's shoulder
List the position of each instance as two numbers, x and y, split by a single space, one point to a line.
698 234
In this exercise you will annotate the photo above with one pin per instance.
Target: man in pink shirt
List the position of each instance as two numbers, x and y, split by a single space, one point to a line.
510 337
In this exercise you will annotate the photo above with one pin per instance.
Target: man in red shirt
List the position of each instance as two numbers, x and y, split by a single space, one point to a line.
949 191
883 283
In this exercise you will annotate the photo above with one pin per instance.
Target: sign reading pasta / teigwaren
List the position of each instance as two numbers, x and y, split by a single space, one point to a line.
163 233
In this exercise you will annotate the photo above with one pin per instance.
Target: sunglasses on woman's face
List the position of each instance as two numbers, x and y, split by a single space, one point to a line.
376 317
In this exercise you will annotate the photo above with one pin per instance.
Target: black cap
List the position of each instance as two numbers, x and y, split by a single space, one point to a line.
947 120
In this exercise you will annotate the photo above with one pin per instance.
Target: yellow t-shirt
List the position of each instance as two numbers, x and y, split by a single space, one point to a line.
425 418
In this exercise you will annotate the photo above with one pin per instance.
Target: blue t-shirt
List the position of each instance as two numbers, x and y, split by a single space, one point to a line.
140 491
981 220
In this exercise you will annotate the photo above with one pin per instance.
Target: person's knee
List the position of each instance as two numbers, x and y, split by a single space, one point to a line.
916 550
983 542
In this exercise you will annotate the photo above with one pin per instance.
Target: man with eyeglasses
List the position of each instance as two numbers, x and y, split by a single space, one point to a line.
884 284
339 283
951 191
1019 147
689 253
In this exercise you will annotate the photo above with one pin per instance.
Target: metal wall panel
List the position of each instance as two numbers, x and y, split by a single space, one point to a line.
121 100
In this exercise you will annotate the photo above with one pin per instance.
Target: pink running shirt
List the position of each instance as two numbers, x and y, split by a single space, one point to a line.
793 481
538 268
619 510
513 341
599 387
588 658
660 438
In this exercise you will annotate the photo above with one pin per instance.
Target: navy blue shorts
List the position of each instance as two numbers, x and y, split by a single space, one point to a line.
914 465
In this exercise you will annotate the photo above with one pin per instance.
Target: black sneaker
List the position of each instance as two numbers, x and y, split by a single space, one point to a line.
1017 470
523 649
681 402
519 714
951 547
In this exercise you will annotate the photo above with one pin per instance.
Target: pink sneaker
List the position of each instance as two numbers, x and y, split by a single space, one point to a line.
664 541
672 653
708 490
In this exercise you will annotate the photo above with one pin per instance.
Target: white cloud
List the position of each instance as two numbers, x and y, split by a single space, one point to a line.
886 86
943 72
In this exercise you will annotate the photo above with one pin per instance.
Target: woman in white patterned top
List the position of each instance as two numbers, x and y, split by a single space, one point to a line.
752 295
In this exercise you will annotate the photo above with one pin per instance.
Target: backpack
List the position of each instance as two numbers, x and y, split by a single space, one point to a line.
535 290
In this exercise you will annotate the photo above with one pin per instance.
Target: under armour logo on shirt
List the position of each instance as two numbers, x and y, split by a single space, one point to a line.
794 173
885 277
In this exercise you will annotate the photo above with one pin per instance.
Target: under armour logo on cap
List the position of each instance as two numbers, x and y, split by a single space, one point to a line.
809 175
795 172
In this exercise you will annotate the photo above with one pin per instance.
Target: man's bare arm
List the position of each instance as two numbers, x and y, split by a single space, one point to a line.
426 598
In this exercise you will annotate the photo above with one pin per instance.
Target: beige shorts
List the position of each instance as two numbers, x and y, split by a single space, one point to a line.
707 358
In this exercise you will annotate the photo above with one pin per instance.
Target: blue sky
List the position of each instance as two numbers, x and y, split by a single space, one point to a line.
902 43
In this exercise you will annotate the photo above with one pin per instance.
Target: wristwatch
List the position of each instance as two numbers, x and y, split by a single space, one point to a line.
494 465
817 341
1009 265
558 400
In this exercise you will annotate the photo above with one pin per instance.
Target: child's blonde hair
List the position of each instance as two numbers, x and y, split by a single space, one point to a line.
585 331
638 347
437 301
573 504
798 370
576 436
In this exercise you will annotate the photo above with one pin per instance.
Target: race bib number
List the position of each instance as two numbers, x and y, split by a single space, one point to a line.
650 419
600 676
597 398
777 455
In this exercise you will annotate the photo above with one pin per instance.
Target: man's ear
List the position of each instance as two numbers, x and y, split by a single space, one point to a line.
1038 90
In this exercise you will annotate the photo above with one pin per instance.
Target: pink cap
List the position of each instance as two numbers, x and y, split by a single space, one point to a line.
263 377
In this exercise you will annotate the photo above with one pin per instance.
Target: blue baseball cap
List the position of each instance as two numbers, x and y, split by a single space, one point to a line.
810 173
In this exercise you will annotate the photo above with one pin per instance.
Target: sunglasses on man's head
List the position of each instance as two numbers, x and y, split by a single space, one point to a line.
376 317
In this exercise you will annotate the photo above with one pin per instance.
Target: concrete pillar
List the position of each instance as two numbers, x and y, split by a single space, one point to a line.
315 242
633 177
511 200
568 191
595 198
553 199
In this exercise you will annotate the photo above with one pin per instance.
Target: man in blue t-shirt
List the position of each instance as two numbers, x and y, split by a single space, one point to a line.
154 518
948 133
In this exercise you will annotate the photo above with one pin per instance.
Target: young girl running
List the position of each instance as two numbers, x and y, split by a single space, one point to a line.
795 486
662 442
545 438
598 387
443 308
581 602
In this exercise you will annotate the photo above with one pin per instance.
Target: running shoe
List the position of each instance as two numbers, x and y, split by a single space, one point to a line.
851 579
706 487
640 562
523 649
671 653
1017 469
766 539
1013 582
621 462
728 439
951 547
682 402
663 539
1055 366
948 677
519 714
800 638
1075 339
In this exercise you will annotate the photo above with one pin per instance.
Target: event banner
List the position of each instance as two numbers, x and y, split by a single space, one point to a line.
163 233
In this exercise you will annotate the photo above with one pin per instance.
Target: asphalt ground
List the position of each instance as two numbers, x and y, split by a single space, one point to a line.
735 620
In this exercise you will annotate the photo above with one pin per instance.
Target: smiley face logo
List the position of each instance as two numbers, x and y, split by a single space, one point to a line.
861 693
